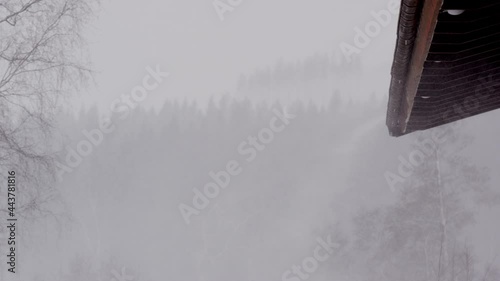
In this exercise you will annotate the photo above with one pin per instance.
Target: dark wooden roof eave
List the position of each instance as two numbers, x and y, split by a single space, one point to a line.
417 22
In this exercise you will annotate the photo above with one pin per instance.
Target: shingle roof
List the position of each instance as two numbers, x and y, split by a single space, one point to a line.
445 66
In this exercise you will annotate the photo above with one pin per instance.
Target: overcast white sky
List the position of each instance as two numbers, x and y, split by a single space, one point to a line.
206 55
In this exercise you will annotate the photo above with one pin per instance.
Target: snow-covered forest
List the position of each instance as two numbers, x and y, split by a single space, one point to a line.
323 175
183 147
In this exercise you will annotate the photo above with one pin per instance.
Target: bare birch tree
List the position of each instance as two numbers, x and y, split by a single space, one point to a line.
41 62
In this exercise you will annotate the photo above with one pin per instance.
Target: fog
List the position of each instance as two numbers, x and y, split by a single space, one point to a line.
252 147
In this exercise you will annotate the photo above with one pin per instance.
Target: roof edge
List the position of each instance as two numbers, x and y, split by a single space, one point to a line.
416 25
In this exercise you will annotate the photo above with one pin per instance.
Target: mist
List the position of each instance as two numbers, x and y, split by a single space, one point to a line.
241 141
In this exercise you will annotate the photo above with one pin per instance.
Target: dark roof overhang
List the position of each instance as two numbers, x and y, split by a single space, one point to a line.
445 66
